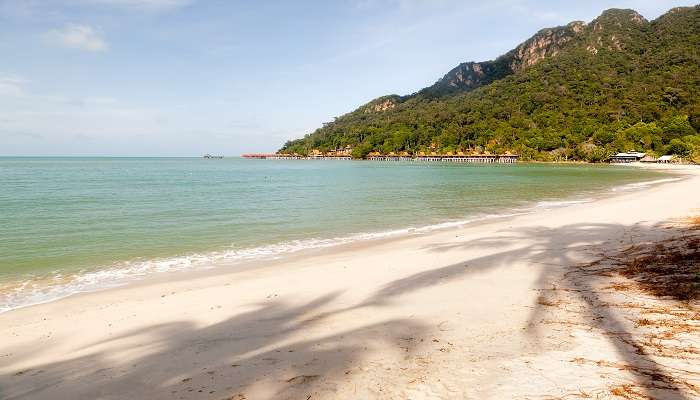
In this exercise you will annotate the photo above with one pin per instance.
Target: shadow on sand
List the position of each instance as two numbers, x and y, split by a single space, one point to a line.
223 360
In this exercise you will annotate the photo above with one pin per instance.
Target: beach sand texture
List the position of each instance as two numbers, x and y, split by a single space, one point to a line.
525 307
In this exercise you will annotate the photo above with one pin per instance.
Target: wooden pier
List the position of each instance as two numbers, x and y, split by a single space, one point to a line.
262 156
478 158
265 156
482 158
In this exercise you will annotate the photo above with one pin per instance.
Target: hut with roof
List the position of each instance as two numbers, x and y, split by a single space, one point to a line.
627 157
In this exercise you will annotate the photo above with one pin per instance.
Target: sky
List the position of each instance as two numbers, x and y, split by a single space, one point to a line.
189 77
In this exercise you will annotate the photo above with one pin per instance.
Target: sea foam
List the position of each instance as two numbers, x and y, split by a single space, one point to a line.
44 289
645 184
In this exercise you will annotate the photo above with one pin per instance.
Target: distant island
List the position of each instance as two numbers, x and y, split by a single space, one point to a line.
580 92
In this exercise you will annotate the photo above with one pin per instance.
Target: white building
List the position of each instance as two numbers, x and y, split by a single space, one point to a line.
628 157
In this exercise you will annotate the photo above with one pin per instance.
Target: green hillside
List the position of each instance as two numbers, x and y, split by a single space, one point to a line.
577 92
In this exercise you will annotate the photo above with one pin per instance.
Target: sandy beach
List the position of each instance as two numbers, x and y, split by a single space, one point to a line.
531 306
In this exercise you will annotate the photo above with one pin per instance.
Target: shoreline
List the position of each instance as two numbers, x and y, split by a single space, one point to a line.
453 313
140 272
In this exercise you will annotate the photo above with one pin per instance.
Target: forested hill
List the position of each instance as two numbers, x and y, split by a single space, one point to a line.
577 92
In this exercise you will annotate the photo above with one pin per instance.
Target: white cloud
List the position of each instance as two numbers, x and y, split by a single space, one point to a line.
148 5
407 5
59 117
82 37
11 86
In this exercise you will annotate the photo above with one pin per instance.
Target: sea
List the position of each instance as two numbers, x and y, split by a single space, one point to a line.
71 225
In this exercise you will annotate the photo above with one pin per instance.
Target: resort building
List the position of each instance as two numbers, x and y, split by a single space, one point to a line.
628 157
346 151
665 159
316 153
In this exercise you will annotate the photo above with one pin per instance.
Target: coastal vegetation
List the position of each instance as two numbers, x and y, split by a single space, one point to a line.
576 92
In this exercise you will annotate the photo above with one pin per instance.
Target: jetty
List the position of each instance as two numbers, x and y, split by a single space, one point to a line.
269 156
476 158
433 154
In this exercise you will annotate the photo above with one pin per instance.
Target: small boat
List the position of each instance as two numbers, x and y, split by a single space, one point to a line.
211 156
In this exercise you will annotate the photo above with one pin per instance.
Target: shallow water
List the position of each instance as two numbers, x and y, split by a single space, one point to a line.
76 224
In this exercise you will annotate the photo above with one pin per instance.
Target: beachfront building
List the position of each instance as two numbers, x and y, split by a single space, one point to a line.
628 157
316 154
338 154
665 159
375 156
344 151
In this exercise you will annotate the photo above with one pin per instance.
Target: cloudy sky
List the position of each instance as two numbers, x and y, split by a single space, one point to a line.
187 77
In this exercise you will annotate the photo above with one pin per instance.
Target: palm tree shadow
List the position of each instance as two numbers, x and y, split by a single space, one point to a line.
271 349
557 251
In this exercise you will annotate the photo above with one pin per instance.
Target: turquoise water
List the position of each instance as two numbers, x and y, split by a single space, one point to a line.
72 224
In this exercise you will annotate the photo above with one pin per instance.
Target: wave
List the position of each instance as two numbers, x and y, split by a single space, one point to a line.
644 184
564 203
44 289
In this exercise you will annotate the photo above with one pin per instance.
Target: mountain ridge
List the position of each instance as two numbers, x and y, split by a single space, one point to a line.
469 75
624 52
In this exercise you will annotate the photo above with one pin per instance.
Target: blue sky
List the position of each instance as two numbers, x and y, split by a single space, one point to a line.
188 77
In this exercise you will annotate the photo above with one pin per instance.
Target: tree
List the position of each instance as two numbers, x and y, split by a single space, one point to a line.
361 151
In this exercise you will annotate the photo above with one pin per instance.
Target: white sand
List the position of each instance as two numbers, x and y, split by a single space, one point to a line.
452 314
